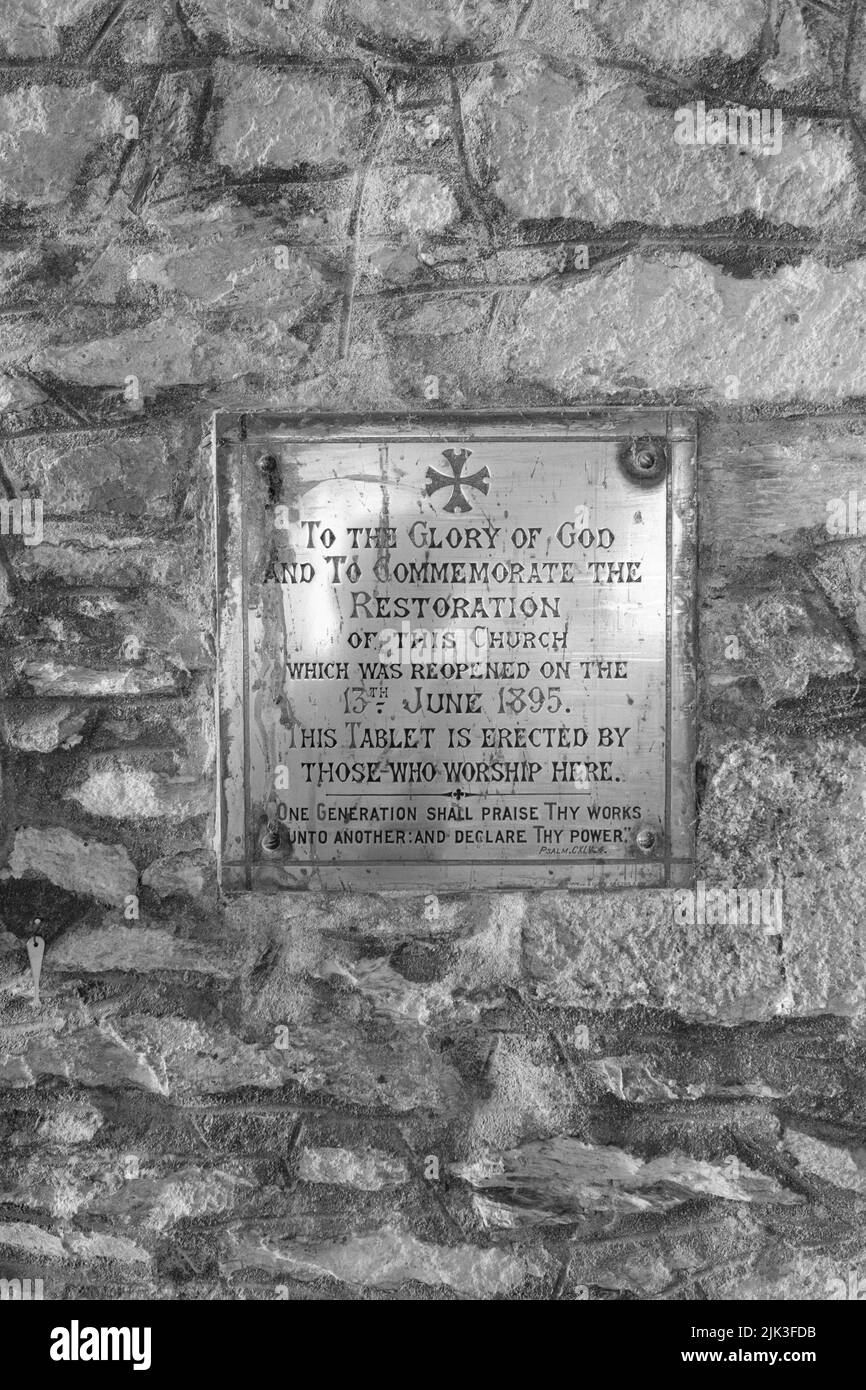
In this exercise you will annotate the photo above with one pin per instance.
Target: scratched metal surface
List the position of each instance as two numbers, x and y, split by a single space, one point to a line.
404 726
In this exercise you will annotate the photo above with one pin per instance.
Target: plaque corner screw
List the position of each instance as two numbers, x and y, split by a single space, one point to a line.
646 840
646 458
271 837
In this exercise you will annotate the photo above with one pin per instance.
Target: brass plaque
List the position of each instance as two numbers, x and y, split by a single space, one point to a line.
456 651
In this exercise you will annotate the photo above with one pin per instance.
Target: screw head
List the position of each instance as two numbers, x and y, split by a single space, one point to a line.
645 459
645 840
271 837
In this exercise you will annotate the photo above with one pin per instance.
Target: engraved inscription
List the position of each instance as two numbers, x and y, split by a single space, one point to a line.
472 698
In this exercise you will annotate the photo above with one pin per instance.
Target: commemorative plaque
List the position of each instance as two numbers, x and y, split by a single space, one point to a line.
456 651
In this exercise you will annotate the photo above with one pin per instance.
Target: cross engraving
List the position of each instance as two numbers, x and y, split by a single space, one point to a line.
479 480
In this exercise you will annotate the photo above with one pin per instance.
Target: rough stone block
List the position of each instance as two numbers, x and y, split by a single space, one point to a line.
46 133
122 790
599 152
232 257
176 351
280 120
122 475
177 873
559 1178
50 678
42 730
80 866
34 29
675 324
247 24
665 33
371 1170
387 1260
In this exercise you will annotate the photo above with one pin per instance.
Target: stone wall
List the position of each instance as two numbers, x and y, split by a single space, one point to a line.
399 204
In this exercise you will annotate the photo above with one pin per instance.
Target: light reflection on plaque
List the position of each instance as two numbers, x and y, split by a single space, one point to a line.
455 652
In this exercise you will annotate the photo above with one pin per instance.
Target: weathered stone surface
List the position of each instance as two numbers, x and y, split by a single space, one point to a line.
247 25
50 678
177 873
726 1258
832 1163
74 1245
171 351
665 34
46 132
18 393
858 50
823 937
599 952
393 1068
559 1177
630 1078
91 1056
718 1255
780 1275
31 1240
387 1260
431 25
74 553
371 1170
279 120
527 1093
80 866
424 203
150 1197
32 29
772 491
151 34
154 1204
331 1060
758 798
123 791
789 638
122 475
229 258
160 638
172 1056
675 322
64 1184
645 1079
633 952
841 572
377 1015
798 56
43 730
560 149
136 948
74 1122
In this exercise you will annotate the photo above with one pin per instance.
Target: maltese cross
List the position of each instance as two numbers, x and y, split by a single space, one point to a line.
457 502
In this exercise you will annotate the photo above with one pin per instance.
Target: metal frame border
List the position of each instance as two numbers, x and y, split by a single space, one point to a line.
235 433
